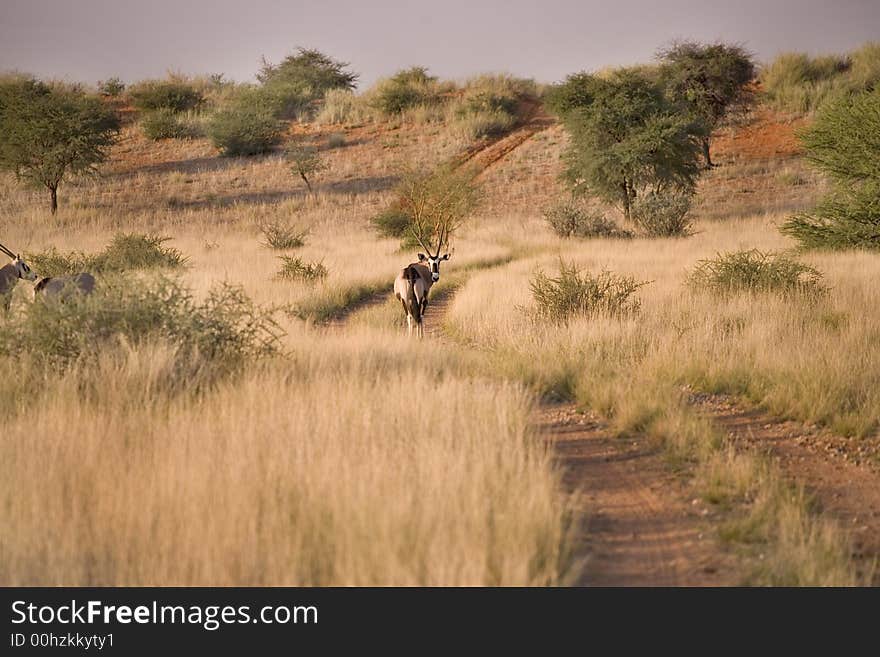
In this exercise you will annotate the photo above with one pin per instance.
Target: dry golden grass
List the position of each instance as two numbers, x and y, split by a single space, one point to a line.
324 467
816 361
258 483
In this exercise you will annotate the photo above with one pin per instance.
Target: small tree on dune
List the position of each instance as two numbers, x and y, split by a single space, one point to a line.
712 81
305 161
436 204
48 133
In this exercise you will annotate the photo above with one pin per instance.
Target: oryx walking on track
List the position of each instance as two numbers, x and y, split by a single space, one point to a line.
414 282
9 275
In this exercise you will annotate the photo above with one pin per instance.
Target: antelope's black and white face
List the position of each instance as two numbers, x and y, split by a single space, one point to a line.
433 263
23 271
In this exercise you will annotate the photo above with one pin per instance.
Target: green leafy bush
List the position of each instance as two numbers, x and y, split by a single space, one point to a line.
51 262
128 251
125 252
173 95
663 214
220 333
301 79
167 124
574 293
111 87
404 90
247 126
844 143
392 222
297 269
756 271
570 220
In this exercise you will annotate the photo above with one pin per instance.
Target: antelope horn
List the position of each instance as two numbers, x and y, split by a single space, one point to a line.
440 240
8 252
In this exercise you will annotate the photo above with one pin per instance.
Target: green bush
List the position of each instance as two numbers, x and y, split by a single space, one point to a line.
756 271
336 140
247 126
128 251
125 252
570 220
844 143
220 333
404 90
301 79
166 124
663 214
580 294
282 236
112 87
392 222
172 95
297 269
51 262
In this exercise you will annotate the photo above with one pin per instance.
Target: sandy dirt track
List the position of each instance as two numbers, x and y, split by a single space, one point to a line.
640 527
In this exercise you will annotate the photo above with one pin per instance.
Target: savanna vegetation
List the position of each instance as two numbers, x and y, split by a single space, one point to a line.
237 405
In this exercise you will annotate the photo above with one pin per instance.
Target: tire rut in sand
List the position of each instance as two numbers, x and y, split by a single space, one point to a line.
841 474
638 527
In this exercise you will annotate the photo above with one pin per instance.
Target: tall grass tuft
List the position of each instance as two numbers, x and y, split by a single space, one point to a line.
342 106
798 83
756 271
297 269
575 293
282 236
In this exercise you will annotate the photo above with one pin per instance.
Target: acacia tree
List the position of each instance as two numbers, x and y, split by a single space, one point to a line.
626 137
712 81
844 143
436 204
303 78
48 133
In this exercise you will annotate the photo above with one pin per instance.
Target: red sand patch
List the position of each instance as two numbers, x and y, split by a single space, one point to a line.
768 135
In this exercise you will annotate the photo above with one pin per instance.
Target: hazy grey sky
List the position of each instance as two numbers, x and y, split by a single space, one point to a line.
90 40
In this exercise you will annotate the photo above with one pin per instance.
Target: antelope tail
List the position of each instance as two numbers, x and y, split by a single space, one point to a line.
413 306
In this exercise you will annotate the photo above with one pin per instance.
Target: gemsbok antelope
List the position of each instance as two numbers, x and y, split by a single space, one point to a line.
63 287
9 275
414 282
